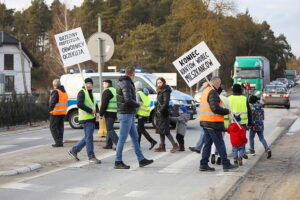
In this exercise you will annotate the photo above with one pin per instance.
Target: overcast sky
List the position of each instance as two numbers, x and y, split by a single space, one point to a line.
282 15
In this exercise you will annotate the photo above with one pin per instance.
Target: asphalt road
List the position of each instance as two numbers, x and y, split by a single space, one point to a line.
171 176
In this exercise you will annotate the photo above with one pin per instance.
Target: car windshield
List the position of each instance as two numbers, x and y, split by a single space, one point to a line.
275 88
152 78
241 73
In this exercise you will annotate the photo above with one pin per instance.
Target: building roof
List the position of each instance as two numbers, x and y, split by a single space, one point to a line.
7 39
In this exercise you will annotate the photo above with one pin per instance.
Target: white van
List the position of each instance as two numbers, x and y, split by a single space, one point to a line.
73 83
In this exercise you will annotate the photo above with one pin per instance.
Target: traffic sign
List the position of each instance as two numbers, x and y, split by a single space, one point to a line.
107 45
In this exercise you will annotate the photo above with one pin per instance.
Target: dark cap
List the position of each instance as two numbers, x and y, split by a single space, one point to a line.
88 80
253 99
107 81
237 88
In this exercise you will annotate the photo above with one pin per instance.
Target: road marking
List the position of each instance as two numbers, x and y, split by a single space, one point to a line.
180 164
25 186
29 138
78 190
156 157
6 146
136 194
24 149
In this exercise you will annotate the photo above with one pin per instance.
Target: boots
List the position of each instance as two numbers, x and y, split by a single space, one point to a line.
161 148
175 148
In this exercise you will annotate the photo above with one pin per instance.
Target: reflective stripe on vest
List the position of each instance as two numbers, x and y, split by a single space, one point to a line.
82 115
61 106
144 110
226 121
238 105
206 114
112 104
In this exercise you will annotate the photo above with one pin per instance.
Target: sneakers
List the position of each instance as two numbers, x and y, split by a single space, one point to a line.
194 149
240 161
107 147
95 160
219 162
236 163
245 156
206 169
268 153
213 159
121 165
230 168
153 143
145 162
73 155
251 152
58 145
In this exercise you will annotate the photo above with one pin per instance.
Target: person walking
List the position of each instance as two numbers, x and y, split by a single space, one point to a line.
212 120
238 141
181 125
143 113
162 115
58 104
108 110
247 88
240 107
87 113
127 106
257 126
198 147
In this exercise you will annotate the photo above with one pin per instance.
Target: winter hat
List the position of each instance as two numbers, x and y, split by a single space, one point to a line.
237 118
237 88
253 99
183 108
88 80
138 85
108 81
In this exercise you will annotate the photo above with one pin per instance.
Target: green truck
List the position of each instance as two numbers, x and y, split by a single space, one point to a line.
290 74
254 69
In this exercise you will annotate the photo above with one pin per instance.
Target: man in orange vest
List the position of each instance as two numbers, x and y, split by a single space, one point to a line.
58 108
212 120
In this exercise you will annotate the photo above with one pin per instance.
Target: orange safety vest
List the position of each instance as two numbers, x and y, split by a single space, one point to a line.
60 107
206 114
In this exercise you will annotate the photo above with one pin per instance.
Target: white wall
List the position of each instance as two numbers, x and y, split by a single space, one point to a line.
17 72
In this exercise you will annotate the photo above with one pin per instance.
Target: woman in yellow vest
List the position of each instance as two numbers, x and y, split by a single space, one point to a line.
143 113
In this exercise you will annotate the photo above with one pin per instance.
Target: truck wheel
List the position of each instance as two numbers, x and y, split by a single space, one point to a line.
73 120
287 106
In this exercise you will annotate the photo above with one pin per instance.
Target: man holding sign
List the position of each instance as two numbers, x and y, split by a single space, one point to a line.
212 120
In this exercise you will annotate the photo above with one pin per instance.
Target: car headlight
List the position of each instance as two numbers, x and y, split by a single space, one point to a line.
178 102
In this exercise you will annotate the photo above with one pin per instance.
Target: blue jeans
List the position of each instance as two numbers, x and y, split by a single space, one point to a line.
200 142
127 126
238 152
261 138
210 137
87 140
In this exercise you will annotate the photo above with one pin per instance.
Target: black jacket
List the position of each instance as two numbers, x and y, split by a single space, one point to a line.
106 96
55 97
162 111
81 105
249 113
126 98
214 100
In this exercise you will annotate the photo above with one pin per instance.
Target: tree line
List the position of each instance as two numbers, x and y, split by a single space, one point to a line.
147 33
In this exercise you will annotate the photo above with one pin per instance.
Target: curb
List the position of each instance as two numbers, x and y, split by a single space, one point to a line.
275 135
21 170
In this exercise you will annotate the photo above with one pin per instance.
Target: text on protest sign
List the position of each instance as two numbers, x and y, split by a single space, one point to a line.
196 64
72 47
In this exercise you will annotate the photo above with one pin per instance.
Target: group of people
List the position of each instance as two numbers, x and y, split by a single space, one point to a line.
129 100
235 115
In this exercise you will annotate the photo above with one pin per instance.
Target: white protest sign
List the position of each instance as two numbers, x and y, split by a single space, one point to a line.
72 47
196 64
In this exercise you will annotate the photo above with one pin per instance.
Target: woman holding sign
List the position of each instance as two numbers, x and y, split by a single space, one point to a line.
162 115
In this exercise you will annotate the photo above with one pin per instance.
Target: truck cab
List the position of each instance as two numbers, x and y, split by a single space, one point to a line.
73 83
255 70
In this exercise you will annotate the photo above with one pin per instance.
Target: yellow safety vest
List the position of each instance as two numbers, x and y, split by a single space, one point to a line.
144 110
112 104
89 103
238 105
